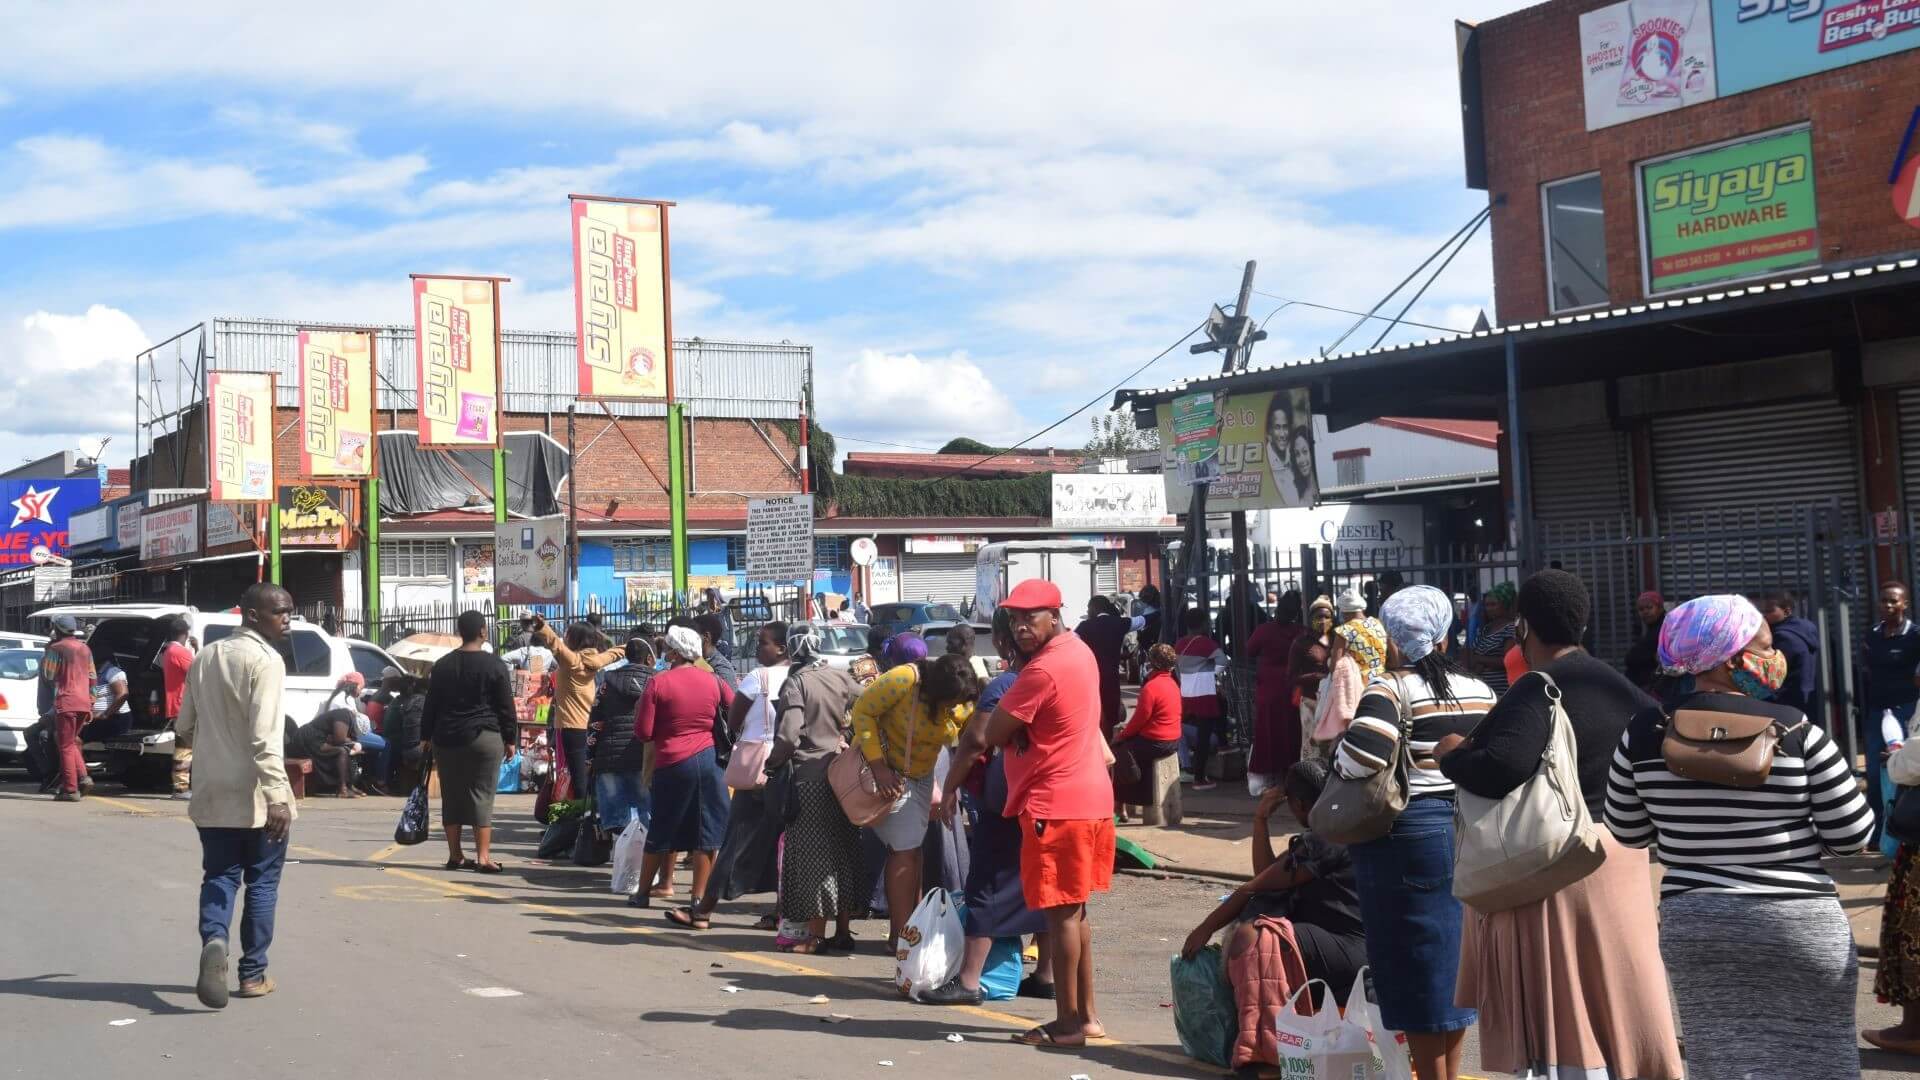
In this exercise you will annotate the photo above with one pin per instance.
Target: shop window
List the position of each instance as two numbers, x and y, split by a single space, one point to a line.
653 555
736 554
1576 243
1349 471
832 552
415 559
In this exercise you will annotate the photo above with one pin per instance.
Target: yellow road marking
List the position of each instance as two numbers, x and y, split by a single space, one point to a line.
127 806
408 894
385 853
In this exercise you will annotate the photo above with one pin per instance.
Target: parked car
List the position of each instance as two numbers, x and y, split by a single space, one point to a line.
840 643
890 619
131 634
22 641
986 659
19 701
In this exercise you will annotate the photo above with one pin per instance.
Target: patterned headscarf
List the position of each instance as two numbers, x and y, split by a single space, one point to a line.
1367 643
1506 594
1707 631
1162 658
1418 616
685 641
803 644
905 649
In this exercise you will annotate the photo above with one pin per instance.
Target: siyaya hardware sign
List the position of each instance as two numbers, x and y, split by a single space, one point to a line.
336 403
1262 453
456 333
1729 212
620 297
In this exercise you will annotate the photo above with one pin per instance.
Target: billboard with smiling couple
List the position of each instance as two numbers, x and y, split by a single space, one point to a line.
1254 451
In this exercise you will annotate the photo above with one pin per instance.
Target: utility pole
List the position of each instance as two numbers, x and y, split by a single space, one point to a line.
1233 334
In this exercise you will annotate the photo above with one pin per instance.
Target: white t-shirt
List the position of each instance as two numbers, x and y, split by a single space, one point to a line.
760 685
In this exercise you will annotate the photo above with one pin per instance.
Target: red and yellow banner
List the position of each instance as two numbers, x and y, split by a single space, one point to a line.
620 295
239 436
456 339
336 403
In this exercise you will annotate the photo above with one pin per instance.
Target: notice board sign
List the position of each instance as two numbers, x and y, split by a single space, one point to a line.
780 538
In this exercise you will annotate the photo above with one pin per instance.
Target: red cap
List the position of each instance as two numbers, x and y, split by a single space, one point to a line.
1034 594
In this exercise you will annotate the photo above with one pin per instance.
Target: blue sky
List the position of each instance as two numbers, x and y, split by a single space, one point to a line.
980 216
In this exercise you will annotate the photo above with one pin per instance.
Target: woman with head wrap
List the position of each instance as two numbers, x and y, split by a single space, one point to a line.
1643 658
1406 877
903 648
1307 667
1488 655
1571 985
689 796
820 875
1358 656
1760 956
1153 732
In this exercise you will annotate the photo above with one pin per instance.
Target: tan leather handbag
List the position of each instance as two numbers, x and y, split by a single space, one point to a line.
1729 749
850 775
1355 811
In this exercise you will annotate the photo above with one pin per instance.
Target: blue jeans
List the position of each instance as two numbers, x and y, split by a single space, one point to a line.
378 759
227 856
619 798
1405 881
1872 746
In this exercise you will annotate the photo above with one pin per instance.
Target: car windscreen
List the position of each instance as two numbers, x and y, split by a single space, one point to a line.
942 613
982 642
19 663
304 651
892 613
843 640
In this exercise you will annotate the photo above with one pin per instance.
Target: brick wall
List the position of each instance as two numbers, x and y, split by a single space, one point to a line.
1536 132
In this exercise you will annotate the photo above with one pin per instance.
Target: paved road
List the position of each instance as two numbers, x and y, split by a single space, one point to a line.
382 957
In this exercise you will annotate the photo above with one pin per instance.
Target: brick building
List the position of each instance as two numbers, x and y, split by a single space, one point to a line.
1707 365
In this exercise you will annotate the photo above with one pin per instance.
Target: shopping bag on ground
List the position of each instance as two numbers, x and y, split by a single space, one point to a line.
931 947
1000 978
627 849
557 842
1395 1063
591 847
1204 1015
1322 1045
413 816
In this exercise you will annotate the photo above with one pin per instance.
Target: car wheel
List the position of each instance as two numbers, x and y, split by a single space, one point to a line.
148 772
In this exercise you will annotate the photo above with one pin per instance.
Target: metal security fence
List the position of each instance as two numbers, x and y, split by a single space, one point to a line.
618 617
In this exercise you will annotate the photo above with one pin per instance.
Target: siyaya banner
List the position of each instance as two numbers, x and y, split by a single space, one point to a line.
1728 212
456 344
1261 456
621 299
336 403
239 436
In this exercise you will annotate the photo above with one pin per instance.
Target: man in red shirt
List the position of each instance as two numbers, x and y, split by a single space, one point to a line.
67 666
175 659
1059 788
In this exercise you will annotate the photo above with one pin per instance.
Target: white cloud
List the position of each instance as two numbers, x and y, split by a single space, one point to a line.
911 399
68 375
282 124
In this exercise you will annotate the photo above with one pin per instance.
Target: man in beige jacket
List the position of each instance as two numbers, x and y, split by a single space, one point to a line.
231 716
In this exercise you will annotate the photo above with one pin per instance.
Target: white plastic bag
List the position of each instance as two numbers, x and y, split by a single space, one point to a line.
1325 1045
931 947
1390 1045
627 849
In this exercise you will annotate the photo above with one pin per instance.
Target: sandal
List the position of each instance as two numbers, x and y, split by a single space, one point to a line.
1031 987
1046 1040
460 863
840 943
488 867
688 918
768 922
806 946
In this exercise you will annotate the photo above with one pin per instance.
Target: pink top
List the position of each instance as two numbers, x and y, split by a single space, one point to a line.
676 713
1340 696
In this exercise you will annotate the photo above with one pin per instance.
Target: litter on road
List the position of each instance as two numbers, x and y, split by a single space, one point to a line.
493 992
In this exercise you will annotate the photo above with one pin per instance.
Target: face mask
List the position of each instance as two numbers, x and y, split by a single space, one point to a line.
1759 675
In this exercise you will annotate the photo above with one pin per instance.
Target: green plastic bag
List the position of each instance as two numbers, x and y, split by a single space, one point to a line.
1204 1015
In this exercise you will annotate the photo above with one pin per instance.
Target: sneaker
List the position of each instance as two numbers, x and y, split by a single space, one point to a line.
1204 785
212 987
639 900
67 796
953 993
183 796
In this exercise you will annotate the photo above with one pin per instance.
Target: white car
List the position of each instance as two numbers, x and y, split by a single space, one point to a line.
840 643
131 636
19 700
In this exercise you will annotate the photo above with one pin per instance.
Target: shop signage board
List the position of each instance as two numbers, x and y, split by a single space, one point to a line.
1722 213
126 524
1645 57
229 523
1265 454
945 545
883 581
170 533
336 403
476 570
1762 42
90 526
38 513
530 561
1109 501
780 538
1195 426
620 297
315 516
239 436
456 334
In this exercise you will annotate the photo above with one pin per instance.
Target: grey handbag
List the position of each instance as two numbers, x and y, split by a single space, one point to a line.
1355 811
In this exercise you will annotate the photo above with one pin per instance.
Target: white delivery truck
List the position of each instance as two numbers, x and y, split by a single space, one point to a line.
1070 564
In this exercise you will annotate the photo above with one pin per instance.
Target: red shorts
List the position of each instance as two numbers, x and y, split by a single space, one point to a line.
1063 863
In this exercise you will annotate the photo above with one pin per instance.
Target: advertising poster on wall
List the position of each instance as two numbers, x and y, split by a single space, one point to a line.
1645 57
1729 212
312 516
620 296
1109 501
239 436
476 570
1265 454
336 403
1763 42
170 533
530 561
456 335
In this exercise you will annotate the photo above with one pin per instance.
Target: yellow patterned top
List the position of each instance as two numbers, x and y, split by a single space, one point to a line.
880 717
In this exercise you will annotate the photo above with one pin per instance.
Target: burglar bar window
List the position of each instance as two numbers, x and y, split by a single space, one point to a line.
651 556
1576 243
737 554
414 559
832 552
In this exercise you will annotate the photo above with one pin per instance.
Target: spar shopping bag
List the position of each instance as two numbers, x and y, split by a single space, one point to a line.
1324 1045
1204 1016
1395 1064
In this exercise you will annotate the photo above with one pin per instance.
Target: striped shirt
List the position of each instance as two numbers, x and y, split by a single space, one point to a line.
1370 742
1723 839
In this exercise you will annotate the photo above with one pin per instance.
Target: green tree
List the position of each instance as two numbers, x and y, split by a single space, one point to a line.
1115 436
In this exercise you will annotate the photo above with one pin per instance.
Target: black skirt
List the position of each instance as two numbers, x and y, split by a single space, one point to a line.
995 905
748 861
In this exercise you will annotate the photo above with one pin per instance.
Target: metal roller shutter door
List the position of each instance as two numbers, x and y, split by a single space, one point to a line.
1579 474
1106 573
1910 459
1727 477
940 578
